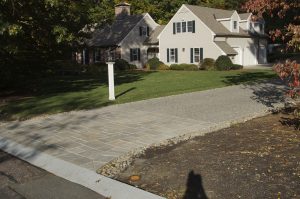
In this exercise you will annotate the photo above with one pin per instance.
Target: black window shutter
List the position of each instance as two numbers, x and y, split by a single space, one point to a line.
168 55
131 54
201 54
139 54
194 29
192 55
141 30
174 28
148 31
176 55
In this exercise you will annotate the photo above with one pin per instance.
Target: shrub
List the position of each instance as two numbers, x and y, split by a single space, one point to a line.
223 63
189 67
65 67
155 64
121 64
163 67
207 64
236 67
97 68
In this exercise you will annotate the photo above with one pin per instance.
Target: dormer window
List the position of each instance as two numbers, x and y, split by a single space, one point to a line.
234 25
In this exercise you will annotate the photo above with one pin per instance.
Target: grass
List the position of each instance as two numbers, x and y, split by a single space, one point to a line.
60 94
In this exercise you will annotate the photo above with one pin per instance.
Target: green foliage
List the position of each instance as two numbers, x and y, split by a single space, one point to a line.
122 65
189 67
163 67
236 67
155 64
34 33
65 93
95 69
207 64
223 63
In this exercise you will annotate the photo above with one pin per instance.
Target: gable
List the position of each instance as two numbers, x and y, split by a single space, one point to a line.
111 35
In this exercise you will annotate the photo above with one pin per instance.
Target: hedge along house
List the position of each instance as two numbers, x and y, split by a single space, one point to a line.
123 39
195 33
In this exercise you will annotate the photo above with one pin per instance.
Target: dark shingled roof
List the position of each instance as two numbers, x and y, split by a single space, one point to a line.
112 35
153 38
226 48
210 15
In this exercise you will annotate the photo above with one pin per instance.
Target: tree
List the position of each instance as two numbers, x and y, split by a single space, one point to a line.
283 20
33 33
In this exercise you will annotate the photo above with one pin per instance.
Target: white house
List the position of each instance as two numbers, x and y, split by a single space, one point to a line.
196 32
124 39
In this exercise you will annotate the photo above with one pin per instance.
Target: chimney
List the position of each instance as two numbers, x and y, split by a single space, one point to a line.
122 10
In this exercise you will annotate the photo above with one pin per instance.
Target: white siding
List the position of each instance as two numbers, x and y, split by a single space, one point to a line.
235 17
134 40
244 25
248 49
202 38
226 23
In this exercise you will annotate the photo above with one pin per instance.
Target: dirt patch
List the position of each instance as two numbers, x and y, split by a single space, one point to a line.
256 159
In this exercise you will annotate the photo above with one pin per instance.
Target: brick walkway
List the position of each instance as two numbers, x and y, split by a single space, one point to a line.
90 139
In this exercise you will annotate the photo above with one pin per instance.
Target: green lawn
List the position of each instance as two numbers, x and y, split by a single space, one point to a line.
60 94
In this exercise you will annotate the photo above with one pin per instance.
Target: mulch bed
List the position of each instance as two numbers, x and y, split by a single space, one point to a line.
256 159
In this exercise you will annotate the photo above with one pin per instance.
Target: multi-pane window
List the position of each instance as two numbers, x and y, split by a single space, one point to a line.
97 55
234 25
184 26
178 27
190 26
197 54
134 54
172 54
144 31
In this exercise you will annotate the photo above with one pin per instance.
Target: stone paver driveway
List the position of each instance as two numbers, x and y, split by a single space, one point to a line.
92 138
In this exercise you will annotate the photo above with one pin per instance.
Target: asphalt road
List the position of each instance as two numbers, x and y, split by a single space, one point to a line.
19 179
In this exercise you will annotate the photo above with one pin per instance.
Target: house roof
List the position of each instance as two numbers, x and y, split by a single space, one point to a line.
112 35
244 16
226 48
153 38
209 16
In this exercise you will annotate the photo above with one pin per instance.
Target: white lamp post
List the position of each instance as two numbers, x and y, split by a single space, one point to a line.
111 81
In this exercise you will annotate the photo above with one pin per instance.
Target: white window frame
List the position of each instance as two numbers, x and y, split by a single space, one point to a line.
135 54
197 55
178 27
235 25
190 26
172 57
184 26
144 31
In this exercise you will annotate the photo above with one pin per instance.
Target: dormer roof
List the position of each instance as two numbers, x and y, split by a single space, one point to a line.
209 16
244 16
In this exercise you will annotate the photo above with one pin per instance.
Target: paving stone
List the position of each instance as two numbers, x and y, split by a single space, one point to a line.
97 136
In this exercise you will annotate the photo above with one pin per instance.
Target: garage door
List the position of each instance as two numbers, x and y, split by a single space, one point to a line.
250 56
238 58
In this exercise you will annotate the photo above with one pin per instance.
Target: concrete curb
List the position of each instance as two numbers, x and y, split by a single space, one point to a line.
87 178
